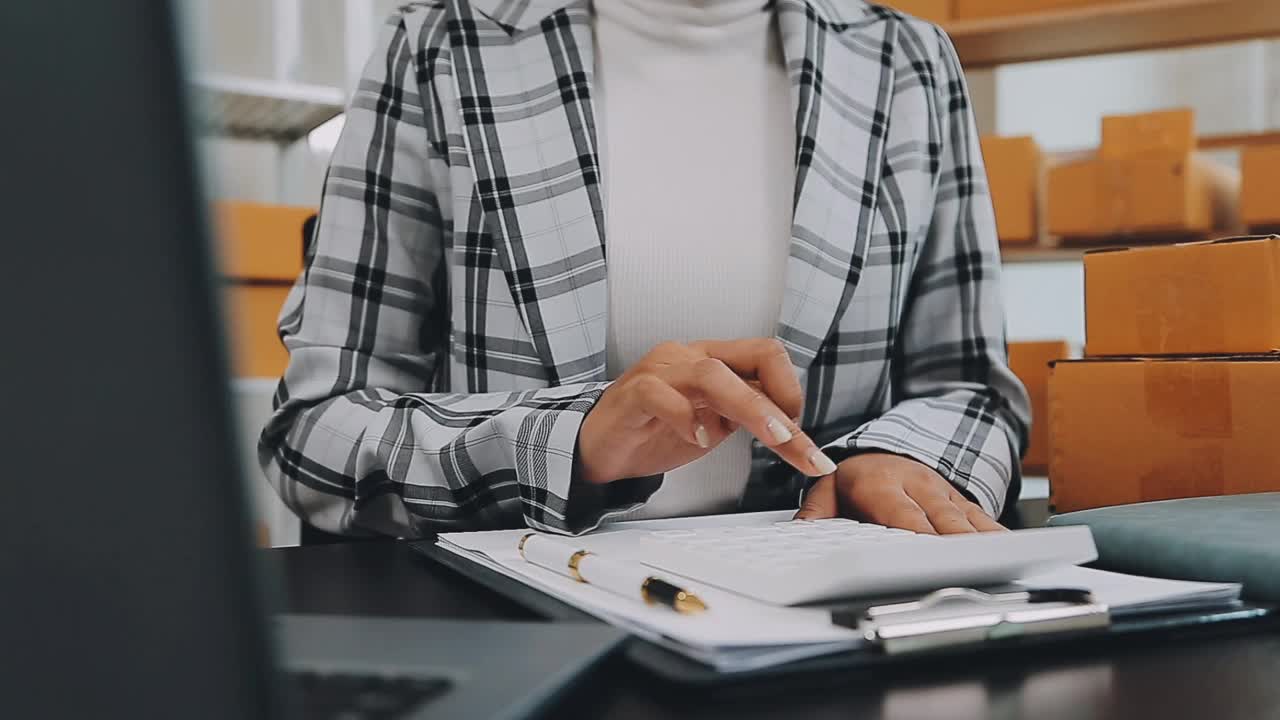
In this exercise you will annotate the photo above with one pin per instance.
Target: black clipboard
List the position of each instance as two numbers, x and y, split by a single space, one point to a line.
671 667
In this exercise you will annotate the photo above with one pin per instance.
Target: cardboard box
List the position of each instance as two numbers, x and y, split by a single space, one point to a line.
260 242
1157 192
1030 362
937 11
1164 192
1074 200
974 9
1197 298
252 310
1134 430
1015 174
1147 179
1170 130
1260 194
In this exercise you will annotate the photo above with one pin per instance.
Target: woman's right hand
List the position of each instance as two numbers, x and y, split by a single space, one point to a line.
680 401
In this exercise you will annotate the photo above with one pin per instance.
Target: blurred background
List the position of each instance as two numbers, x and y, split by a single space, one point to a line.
273 76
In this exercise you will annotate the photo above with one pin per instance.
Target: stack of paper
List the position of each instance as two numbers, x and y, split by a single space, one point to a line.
1135 595
738 633
735 633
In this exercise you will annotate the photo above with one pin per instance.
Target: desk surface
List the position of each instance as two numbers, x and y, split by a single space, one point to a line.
1220 678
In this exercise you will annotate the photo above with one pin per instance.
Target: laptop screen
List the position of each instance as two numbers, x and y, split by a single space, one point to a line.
126 565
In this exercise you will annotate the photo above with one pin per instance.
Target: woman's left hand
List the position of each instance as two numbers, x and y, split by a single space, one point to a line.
894 491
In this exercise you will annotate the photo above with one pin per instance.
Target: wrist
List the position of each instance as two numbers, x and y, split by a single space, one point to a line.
586 467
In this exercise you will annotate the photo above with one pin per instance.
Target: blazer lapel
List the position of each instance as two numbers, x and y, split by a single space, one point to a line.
523 70
842 76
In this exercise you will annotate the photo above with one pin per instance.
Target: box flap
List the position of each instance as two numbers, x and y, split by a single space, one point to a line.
1243 238
1193 243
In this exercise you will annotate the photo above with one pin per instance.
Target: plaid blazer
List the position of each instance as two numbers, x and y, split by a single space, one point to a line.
447 335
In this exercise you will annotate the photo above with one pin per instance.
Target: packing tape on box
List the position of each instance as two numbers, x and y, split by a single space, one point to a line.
1193 398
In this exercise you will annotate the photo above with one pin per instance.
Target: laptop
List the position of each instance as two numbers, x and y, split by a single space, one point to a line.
129 586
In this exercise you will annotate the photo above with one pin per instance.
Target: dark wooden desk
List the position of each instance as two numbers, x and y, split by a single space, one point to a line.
1221 678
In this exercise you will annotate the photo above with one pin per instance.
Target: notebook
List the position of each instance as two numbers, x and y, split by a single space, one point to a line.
1233 538
740 634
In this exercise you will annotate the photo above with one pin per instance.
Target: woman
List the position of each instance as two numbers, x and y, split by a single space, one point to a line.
641 258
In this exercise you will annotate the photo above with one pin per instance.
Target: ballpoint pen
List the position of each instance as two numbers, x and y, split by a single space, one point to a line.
629 579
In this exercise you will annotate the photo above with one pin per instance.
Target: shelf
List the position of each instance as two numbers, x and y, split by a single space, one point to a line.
263 110
1137 25
1012 255
1239 140
1228 141
1074 252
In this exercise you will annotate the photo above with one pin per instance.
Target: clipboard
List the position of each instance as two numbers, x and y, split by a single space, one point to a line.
1076 632
674 669
958 616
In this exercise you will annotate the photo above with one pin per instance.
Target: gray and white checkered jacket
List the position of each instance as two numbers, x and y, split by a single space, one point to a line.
447 335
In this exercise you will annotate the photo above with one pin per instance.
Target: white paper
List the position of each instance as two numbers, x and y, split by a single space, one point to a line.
730 620
737 633
1133 592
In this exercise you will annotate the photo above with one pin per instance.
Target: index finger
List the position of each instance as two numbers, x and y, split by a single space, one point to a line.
711 381
766 360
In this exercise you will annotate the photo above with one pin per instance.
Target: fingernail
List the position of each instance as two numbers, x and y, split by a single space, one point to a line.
778 430
821 462
702 436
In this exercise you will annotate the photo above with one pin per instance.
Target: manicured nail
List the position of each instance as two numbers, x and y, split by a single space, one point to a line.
821 462
702 436
778 430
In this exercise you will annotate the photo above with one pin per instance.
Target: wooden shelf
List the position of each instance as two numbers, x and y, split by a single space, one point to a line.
1042 254
1073 253
1239 140
1231 141
263 110
1137 25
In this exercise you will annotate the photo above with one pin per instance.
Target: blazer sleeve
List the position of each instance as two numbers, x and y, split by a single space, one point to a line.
358 443
956 405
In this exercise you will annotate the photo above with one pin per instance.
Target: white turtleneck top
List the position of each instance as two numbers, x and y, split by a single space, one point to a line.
697 143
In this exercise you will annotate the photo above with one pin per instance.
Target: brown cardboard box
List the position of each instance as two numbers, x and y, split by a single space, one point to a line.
1161 192
1147 179
1166 191
1030 362
974 9
937 11
1015 174
261 253
1260 194
252 310
1172 130
1191 299
260 242
1133 430
1073 199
